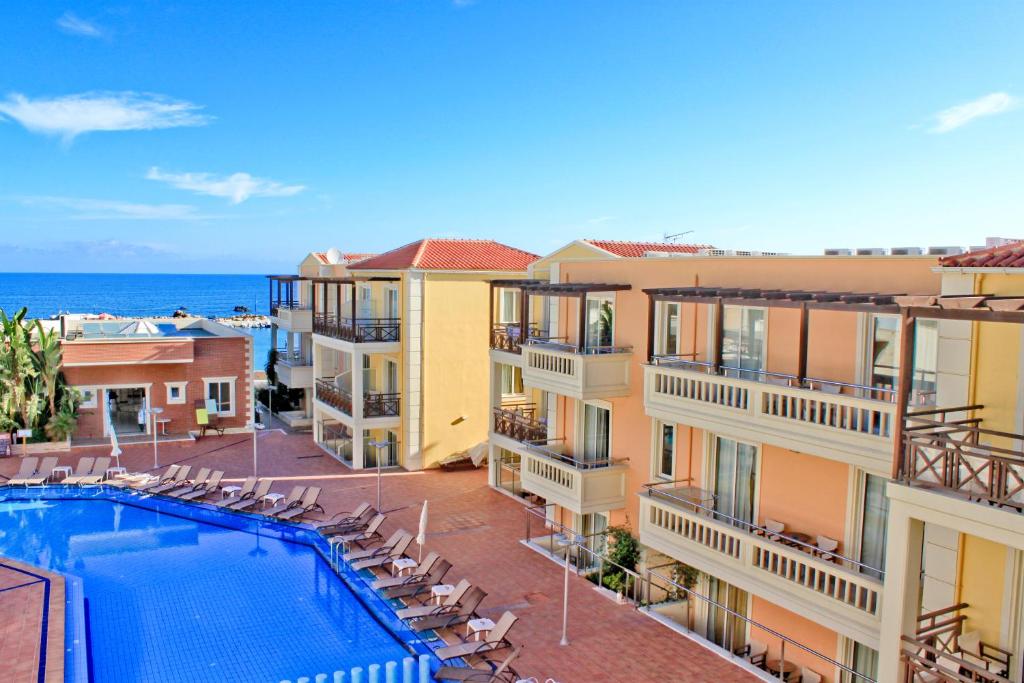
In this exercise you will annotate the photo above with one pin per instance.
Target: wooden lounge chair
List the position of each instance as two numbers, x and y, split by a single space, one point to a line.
383 549
363 537
43 474
504 672
27 469
343 518
495 640
387 557
309 502
465 611
252 499
198 482
82 469
211 485
294 498
356 524
418 573
248 486
98 474
413 586
179 479
166 477
447 606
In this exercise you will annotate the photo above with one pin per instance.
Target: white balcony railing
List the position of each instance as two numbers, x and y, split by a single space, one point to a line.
851 429
293 318
595 373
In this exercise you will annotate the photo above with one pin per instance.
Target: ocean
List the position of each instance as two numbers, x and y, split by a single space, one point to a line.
135 294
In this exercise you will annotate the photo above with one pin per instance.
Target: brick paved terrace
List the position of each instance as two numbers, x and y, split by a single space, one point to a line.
479 531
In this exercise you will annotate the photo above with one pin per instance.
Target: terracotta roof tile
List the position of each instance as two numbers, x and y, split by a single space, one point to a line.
345 257
638 249
450 254
1004 256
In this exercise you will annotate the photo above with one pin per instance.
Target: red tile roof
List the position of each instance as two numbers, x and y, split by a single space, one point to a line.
638 249
450 254
1005 256
345 257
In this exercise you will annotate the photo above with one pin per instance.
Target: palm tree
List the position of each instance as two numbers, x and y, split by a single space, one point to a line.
48 363
17 368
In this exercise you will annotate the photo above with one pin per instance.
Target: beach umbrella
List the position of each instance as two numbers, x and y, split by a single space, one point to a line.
421 537
115 449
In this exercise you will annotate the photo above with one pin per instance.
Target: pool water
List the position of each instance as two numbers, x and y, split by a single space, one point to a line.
175 592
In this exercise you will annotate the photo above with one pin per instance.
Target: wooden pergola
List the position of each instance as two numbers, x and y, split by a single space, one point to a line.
286 287
338 282
577 290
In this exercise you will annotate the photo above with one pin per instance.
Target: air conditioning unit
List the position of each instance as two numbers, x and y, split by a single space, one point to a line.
945 251
717 252
839 252
906 251
874 251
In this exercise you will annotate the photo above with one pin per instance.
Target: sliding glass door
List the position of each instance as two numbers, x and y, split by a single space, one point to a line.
600 322
872 528
596 433
735 480
743 341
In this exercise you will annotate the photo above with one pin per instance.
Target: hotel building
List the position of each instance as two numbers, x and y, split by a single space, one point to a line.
741 416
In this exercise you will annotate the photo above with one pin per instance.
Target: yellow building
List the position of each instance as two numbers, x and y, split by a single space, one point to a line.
954 593
375 321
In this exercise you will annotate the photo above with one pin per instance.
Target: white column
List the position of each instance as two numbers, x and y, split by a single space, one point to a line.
412 386
492 464
357 449
900 602
357 385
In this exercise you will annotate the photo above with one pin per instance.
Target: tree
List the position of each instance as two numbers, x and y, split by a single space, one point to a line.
49 361
270 367
17 368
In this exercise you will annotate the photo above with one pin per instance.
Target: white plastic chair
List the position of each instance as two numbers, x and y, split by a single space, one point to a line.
826 547
808 676
774 529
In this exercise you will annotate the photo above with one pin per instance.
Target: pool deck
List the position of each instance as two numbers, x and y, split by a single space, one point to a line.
23 599
479 531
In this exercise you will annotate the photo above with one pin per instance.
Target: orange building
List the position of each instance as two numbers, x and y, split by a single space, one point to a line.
736 414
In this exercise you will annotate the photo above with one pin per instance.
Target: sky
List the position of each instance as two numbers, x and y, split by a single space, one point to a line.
231 137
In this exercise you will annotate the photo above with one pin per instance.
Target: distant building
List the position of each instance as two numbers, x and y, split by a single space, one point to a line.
128 366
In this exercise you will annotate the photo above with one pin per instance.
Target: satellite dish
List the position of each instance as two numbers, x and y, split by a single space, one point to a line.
334 255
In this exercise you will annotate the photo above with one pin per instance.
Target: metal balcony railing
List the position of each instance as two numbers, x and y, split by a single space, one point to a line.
358 330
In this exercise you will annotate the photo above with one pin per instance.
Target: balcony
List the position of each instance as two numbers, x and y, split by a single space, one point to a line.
820 421
358 330
294 370
823 586
506 337
579 485
375 404
939 651
294 316
951 456
601 372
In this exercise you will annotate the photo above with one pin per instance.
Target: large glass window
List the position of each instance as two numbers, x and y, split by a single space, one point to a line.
722 626
873 525
511 379
735 480
368 375
666 450
508 306
885 357
600 322
596 433
219 392
743 341
391 302
864 662
669 329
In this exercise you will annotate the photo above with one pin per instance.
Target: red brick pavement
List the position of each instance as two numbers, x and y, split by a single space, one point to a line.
479 531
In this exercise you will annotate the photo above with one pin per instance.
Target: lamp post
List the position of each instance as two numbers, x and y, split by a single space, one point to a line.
155 412
379 445
567 542
257 427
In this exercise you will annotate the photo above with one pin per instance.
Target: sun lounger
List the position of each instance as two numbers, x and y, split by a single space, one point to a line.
383 549
358 523
448 606
413 586
385 558
248 486
169 474
262 489
495 640
417 573
99 472
43 474
198 482
463 613
294 498
363 537
504 671
343 518
82 469
310 501
210 485
27 469
180 477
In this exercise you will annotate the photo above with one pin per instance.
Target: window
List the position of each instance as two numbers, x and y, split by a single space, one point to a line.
596 433
864 661
735 482
220 390
669 329
176 392
743 341
368 375
87 397
511 379
365 302
600 322
666 450
884 357
391 302
873 527
508 306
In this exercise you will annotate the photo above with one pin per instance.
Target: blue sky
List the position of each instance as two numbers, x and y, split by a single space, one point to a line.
227 137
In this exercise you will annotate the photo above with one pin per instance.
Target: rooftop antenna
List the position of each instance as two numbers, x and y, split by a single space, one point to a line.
675 236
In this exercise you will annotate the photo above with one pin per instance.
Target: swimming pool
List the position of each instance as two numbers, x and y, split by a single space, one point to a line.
177 592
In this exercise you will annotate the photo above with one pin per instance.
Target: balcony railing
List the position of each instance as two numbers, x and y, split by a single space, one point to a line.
330 393
596 372
358 330
295 358
277 306
375 404
520 424
948 454
934 653
505 337
381 405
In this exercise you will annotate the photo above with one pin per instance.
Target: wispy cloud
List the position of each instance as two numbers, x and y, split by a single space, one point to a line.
71 115
960 115
69 22
109 209
236 187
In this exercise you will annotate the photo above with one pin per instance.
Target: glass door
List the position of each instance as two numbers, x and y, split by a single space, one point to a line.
743 341
600 322
596 433
390 377
722 627
735 482
669 345
873 526
391 303
884 358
